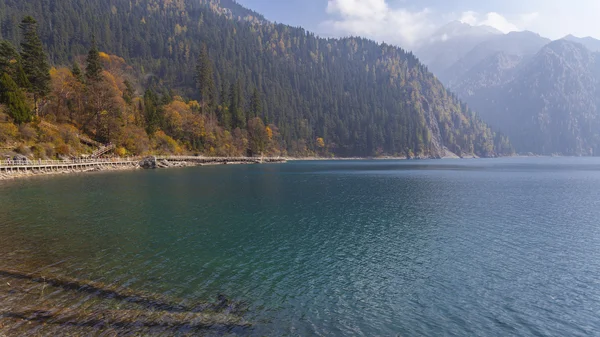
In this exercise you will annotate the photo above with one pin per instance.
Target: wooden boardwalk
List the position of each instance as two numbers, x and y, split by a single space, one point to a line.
12 166
57 165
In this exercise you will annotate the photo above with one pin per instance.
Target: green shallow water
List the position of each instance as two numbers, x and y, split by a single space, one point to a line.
458 247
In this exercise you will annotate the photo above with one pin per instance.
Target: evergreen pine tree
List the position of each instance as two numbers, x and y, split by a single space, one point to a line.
93 69
21 77
34 60
76 71
223 113
129 92
14 99
257 136
223 96
8 56
151 112
255 105
205 80
10 63
234 106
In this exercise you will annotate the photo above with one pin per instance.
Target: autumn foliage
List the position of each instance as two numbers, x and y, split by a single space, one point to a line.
113 109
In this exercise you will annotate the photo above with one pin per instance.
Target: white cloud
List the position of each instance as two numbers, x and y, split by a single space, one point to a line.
377 20
408 23
557 18
470 18
491 19
366 9
549 18
499 22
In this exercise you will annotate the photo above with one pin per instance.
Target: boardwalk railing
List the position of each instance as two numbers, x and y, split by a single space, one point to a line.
103 150
11 162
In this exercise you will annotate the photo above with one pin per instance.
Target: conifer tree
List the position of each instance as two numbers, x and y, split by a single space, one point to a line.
34 60
8 56
93 69
10 63
255 105
258 136
223 113
14 99
205 80
76 71
129 92
235 106
223 95
151 112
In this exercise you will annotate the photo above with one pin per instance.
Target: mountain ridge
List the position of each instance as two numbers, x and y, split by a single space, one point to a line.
550 105
450 42
541 93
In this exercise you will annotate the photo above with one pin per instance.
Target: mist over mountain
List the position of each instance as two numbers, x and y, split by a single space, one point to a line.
543 94
450 43
522 45
551 107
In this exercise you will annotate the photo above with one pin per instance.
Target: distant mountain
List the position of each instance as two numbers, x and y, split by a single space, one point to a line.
521 45
549 104
544 95
490 73
589 42
451 43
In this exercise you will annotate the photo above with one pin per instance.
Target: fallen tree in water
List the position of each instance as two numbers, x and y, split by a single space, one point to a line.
99 289
145 310
129 318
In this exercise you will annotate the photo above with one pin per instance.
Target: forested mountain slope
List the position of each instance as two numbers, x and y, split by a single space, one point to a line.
348 97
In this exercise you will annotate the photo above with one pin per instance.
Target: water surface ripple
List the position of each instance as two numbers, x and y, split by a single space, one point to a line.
427 248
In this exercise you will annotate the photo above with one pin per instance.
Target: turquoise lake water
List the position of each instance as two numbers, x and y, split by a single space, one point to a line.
490 247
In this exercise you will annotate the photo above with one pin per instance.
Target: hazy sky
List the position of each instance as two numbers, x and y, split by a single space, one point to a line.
406 22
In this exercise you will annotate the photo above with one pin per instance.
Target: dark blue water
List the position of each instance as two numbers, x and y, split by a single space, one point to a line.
502 247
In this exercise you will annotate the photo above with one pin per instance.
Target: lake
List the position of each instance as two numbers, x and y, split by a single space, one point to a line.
488 247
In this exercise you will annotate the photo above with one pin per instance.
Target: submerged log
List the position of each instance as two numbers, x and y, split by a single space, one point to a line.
129 319
147 300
